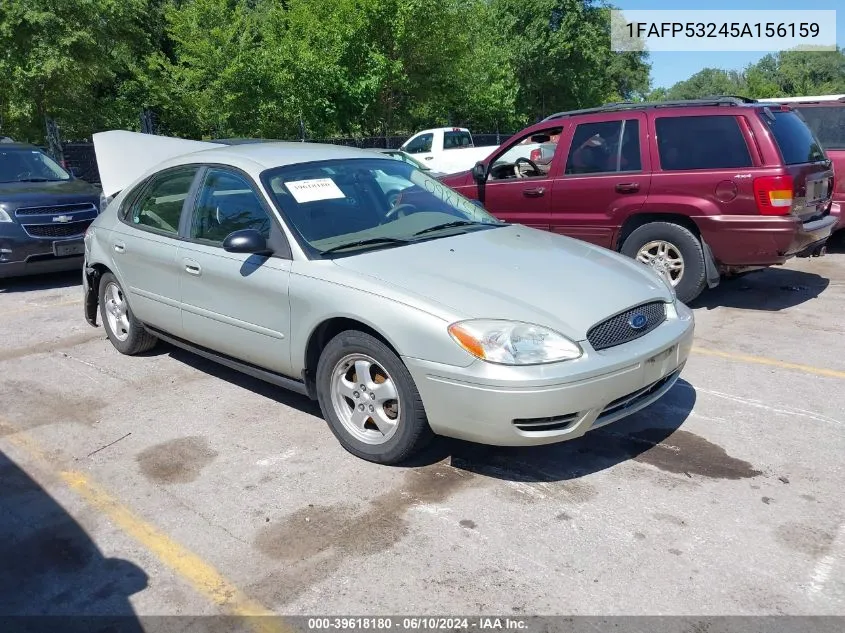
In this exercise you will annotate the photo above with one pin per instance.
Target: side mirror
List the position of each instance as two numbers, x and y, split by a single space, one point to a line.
246 241
479 172
75 172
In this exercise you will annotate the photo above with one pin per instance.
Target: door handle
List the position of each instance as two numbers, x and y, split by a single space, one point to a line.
429 158
628 187
119 247
192 267
534 192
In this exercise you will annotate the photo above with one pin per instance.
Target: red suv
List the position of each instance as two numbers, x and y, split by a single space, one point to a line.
825 116
697 189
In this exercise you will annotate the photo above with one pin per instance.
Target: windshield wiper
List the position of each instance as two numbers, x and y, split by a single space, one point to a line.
367 242
446 225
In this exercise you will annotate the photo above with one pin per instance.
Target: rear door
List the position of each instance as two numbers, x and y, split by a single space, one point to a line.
145 244
234 303
805 161
605 179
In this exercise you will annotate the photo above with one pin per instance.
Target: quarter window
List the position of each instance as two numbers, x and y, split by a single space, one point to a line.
701 142
160 206
227 203
605 147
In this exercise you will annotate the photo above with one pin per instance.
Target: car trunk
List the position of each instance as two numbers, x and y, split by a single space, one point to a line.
805 161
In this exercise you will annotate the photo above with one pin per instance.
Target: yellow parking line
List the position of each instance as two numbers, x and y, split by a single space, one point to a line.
201 575
762 360
33 308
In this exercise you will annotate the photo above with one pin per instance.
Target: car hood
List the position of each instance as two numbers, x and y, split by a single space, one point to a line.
517 273
20 192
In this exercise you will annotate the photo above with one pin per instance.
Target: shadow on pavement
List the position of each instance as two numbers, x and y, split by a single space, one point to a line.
772 289
47 281
596 451
51 567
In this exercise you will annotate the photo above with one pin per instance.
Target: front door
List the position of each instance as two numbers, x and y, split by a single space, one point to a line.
234 303
520 178
606 177
145 245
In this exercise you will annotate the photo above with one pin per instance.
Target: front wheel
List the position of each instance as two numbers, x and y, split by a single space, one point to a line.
674 252
370 400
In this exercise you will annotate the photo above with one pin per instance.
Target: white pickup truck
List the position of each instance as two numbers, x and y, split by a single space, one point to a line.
447 149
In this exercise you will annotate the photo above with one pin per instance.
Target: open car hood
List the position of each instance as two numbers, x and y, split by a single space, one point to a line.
123 157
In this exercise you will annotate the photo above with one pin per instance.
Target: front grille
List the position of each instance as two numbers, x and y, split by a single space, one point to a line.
555 423
633 399
57 230
59 209
618 329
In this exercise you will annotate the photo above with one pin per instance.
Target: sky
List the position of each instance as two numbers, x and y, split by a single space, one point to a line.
670 68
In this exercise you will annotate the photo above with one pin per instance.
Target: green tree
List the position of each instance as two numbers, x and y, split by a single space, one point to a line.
66 59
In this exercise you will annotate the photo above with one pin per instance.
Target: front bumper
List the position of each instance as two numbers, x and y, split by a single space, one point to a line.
21 255
544 404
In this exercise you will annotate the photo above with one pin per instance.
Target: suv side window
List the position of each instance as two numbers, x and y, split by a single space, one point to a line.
420 144
159 207
226 203
605 147
701 142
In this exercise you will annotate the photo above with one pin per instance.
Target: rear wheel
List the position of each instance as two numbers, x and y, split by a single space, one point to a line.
370 400
125 332
674 252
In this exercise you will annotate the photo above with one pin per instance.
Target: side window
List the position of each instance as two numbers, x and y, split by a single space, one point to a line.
420 144
701 142
605 147
226 203
159 207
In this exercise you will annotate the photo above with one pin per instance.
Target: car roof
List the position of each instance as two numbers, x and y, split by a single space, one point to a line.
15 145
722 101
270 154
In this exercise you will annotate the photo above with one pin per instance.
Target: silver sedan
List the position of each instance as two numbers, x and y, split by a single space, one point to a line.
405 316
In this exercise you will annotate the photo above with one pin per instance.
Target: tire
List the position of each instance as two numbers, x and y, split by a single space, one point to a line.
680 240
340 395
125 332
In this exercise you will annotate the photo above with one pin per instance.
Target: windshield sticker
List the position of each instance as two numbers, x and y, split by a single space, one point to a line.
314 190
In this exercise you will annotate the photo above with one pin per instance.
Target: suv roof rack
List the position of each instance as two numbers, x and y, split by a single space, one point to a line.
643 105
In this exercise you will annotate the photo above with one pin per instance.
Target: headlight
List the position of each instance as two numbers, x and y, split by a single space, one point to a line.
513 342
4 215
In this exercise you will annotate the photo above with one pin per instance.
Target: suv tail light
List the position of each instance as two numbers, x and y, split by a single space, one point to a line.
774 194
536 154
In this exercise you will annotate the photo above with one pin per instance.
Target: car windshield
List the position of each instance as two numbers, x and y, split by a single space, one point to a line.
345 206
29 165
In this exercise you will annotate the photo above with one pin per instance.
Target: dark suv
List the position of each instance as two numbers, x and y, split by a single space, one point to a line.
697 189
44 211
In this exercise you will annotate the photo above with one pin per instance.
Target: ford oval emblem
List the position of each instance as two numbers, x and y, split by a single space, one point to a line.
638 321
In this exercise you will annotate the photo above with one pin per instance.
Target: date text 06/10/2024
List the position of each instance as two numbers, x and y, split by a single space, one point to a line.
415 623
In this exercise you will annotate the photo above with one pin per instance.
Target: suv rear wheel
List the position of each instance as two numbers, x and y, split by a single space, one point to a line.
674 252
